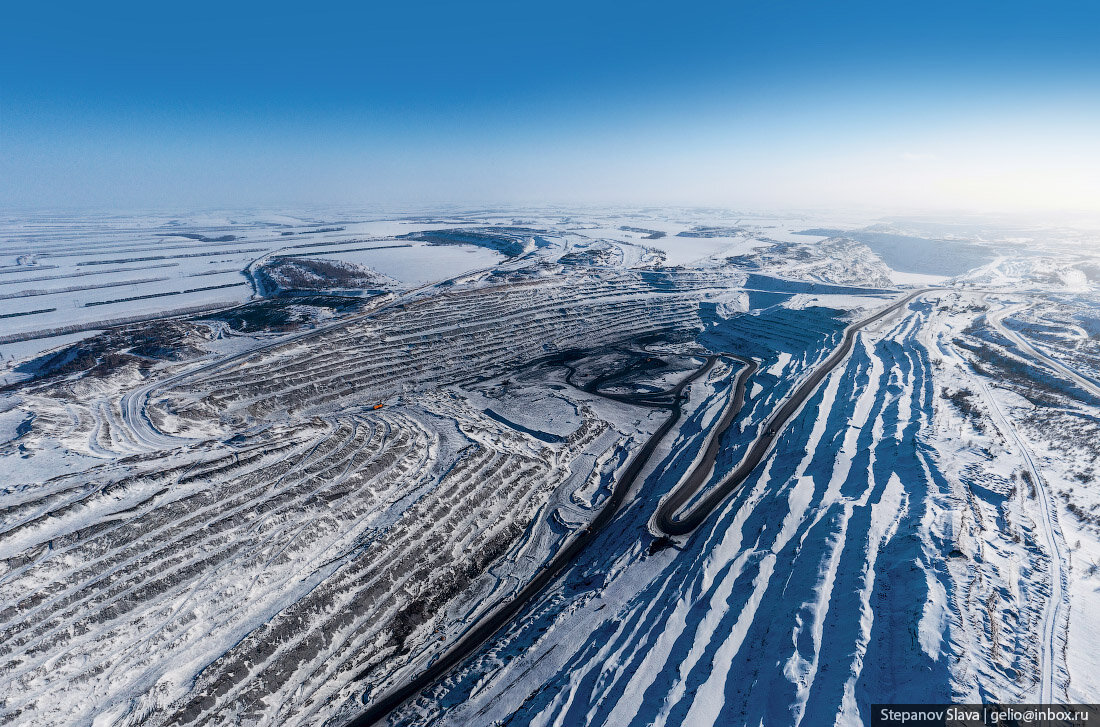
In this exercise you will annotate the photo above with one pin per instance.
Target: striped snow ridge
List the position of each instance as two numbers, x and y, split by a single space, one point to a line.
261 579
794 604
384 607
222 546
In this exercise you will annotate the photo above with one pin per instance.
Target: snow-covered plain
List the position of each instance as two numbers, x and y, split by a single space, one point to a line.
271 503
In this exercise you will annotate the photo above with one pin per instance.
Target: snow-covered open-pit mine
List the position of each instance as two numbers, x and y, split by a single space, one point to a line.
287 510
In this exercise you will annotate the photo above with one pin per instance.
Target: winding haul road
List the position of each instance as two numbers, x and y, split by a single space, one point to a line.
666 517
996 319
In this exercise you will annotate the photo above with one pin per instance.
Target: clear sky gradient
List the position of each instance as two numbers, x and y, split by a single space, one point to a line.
899 105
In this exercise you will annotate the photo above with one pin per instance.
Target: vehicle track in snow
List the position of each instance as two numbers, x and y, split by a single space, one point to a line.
1052 607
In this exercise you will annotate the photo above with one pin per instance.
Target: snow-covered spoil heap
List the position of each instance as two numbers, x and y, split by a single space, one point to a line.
306 274
444 339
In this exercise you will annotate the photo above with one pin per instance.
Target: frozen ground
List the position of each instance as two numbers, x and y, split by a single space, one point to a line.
278 498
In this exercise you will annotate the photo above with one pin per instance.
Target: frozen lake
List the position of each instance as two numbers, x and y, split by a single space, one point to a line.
421 263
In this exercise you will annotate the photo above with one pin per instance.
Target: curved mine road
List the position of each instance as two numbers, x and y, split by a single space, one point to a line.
666 516
666 519
996 319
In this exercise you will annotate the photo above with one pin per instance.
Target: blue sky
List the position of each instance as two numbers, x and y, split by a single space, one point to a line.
743 104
